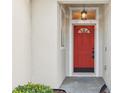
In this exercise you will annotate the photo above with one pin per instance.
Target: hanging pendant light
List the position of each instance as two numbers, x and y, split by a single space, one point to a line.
84 15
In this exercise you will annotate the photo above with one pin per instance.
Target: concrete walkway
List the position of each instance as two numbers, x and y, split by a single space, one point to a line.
82 84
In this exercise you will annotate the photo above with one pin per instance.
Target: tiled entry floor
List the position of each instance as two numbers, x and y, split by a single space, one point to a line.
82 84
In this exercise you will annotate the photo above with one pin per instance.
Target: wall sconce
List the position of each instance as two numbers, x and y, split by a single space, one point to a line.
84 15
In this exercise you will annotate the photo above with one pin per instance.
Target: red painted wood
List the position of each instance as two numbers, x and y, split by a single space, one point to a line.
83 47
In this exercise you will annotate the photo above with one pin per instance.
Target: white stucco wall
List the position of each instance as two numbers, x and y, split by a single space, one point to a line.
101 40
46 56
21 42
61 49
107 44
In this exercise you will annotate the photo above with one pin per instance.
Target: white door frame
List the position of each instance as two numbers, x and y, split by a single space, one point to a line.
87 22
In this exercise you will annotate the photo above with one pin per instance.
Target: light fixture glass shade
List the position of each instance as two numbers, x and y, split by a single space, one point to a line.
84 15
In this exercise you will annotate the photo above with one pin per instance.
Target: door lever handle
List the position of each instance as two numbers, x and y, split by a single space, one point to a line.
93 54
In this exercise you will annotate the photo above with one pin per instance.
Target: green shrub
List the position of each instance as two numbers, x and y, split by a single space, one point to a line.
32 88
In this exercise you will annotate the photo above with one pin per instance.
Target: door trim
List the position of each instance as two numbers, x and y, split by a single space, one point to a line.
96 59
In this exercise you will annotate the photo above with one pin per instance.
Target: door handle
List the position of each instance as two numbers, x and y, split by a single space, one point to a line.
93 53
93 56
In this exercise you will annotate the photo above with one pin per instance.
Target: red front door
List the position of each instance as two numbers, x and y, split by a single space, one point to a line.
83 48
